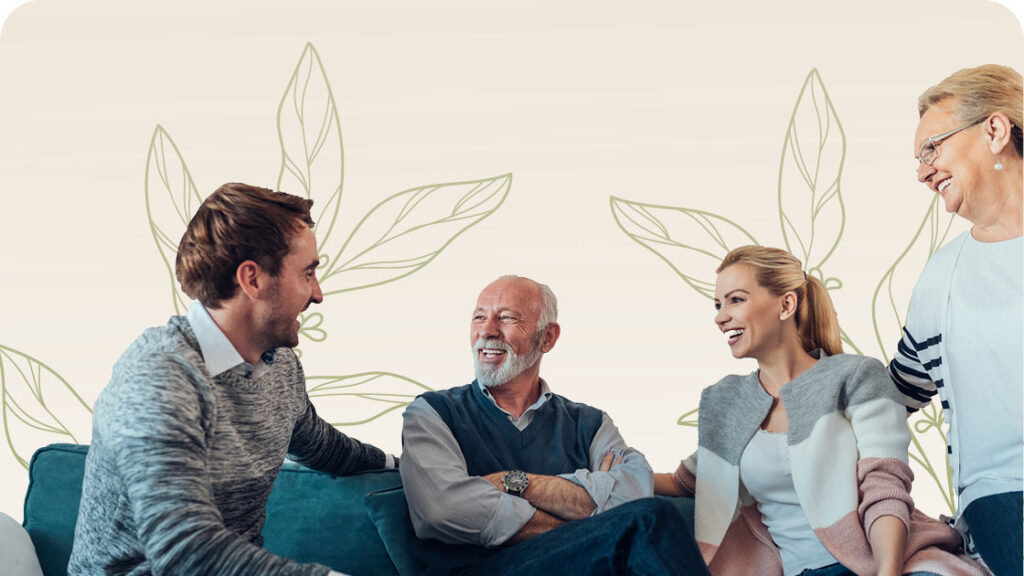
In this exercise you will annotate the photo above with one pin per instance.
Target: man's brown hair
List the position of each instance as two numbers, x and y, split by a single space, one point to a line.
236 223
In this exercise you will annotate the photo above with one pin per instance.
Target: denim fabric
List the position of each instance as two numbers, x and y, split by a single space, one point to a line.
840 570
643 537
996 524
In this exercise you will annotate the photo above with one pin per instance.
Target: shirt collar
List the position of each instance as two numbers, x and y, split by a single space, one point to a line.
545 394
218 352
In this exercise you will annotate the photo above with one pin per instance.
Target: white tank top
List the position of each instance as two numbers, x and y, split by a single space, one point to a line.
765 471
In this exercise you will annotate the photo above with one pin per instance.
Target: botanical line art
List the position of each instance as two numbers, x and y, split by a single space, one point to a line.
28 388
812 218
397 237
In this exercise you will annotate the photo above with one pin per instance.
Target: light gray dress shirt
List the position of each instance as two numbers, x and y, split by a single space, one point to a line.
448 504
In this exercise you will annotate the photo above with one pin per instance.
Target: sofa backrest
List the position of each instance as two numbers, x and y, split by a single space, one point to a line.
311 516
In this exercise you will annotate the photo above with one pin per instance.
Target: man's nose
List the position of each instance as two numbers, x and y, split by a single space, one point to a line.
318 294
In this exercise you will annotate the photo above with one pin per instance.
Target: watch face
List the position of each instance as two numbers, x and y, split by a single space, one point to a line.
515 482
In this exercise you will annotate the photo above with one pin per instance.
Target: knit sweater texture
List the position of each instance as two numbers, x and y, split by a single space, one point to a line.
181 464
847 444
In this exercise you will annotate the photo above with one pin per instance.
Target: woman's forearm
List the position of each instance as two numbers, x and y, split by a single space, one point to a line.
888 538
665 486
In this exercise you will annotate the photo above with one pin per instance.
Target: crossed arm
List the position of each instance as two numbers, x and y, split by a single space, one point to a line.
448 504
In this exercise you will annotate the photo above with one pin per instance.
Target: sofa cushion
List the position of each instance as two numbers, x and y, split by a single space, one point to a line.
51 504
316 517
311 516
390 514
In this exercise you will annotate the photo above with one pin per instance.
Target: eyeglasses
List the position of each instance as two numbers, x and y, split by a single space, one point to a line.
930 147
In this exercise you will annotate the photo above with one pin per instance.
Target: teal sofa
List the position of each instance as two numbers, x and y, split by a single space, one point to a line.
341 522
355 524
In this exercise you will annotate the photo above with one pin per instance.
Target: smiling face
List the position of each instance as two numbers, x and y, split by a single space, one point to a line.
748 314
291 292
503 334
959 174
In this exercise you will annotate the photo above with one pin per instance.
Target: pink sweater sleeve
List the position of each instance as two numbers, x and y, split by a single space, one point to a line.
884 486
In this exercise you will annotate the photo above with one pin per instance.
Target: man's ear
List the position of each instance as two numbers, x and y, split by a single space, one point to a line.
250 279
997 132
789 302
551 333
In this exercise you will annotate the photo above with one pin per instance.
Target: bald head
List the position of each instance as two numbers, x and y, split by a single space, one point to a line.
540 295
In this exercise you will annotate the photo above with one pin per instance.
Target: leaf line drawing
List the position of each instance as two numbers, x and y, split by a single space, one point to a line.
171 200
26 388
375 393
812 218
660 228
397 237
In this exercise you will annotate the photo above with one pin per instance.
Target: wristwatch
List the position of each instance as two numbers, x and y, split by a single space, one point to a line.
516 482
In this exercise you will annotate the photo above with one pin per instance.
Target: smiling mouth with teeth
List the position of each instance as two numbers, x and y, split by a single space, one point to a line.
734 335
944 184
492 352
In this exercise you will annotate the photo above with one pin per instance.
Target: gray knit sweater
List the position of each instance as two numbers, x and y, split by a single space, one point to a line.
181 464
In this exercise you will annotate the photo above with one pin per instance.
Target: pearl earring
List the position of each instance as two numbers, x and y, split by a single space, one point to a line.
999 165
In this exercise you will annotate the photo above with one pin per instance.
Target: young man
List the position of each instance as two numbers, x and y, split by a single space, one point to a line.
199 414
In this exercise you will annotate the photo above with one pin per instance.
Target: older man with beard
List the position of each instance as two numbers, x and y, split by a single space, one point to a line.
503 476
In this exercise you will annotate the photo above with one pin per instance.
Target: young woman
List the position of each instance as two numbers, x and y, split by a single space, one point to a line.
801 466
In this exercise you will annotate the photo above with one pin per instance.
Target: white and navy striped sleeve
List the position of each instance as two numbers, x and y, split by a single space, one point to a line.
910 373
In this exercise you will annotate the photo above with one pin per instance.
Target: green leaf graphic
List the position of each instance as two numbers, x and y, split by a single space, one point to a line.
888 305
171 200
688 419
361 398
692 242
312 157
811 207
309 326
407 231
28 390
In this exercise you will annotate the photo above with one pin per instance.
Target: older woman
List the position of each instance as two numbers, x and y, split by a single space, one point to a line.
963 336
801 466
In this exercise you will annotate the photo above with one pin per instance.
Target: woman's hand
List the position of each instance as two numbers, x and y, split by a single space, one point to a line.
664 485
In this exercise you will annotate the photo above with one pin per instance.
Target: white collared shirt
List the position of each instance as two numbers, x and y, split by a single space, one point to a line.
219 354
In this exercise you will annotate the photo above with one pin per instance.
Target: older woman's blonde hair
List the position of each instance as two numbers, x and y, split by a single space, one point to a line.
978 93
778 272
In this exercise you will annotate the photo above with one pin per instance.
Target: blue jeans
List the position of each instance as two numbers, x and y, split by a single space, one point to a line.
840 570
645 536
996 525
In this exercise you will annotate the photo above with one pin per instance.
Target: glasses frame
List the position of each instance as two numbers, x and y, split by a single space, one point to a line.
938 139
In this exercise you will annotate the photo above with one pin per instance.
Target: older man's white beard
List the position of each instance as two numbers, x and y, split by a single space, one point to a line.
514 364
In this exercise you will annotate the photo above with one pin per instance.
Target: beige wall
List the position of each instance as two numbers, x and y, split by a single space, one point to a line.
668 103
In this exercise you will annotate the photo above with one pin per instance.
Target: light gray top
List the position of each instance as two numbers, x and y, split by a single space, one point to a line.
434 470
182 461
983 345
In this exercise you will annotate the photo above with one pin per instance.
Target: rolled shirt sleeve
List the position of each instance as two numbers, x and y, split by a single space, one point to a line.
629 480
445 502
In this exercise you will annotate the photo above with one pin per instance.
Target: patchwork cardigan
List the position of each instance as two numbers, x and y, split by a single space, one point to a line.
847 443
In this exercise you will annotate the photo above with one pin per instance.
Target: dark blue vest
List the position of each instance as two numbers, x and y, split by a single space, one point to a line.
557 441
